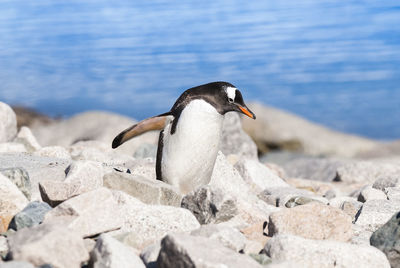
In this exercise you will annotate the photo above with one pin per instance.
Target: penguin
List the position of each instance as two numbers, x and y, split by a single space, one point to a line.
190 133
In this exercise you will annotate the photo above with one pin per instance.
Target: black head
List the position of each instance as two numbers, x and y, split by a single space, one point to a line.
224 96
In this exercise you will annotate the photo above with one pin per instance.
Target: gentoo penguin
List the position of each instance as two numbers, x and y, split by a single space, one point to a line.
190 133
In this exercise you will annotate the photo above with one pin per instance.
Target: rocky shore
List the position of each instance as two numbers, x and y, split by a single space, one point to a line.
317 198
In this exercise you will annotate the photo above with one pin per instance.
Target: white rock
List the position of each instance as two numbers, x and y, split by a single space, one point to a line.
370 193
53 151
8 123
88 214
323 253
12 147
289 196
26 137
12 201
258 176
48 244
111 253
3 245
150 253
393 193
88 174
367 171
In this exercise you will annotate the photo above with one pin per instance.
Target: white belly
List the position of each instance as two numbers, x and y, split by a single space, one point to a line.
189 154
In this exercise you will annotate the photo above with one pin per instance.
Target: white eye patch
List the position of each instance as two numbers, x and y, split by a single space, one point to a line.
231 92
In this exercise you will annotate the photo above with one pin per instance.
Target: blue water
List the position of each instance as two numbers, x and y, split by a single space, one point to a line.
333 62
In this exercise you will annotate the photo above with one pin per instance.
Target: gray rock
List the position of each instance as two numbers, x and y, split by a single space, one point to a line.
210 205
88 214
148 191
48 244
20 177
53 151
393 193
146 224
351 208
38 168
367 172
16 264
146 150
384 182
3 247
228 236
181 250
313 221
12 201
369 193
288 196
261 258
8 123
257 175
26 137
387 239
234 140
111 253
323 253
319 169
281 130
375 213
31 215
150 254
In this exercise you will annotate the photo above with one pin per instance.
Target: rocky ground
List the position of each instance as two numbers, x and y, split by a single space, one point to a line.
318 198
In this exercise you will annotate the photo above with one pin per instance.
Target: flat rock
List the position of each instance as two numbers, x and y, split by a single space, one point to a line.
26 137
313 221
109 252
20 177
387 239
370 193
148 191
88 214
227 236
53 151
323 253
234 140
278 129
180 250
375 213
8 123
12 201
257 175
367 172
145 224
32 215
210 205
48 244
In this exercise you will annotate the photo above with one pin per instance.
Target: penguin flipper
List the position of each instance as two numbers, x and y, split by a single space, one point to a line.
153 123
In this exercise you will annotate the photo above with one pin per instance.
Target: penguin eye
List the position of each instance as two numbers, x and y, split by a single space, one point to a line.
230 100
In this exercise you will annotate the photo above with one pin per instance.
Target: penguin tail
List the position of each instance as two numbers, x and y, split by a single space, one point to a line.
153 123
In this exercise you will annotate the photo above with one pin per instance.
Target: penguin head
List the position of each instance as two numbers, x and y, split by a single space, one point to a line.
234 101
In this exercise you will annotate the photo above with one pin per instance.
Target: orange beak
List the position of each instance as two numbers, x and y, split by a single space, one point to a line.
247 112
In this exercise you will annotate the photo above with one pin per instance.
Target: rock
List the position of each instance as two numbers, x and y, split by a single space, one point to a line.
146 150
145 224
257 175
16 264
88 214
387 239
256 237
89 244
53 151
386 149
179 250
276 169
351 208
12 201
261 258
288 196
367 172
26 137
48 244
313 221
227 236
3 247
20 177
318 169
337 202
277 129
32 215
111 253
38 168
82 177
317 187
8 123
360 236
370 193
210 205
375 213
234 140
323 253
12 147
148 191
143 168
150 254
88 126
384 182
393 193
